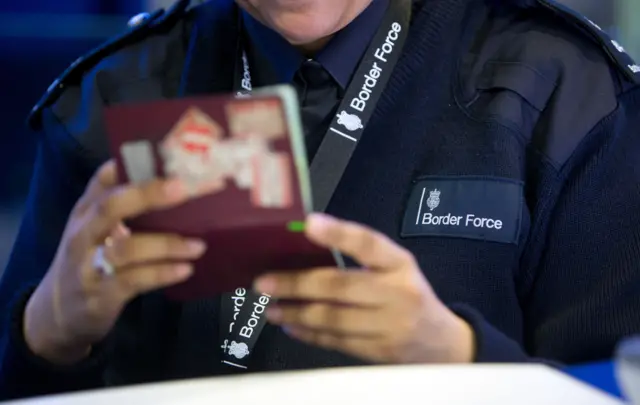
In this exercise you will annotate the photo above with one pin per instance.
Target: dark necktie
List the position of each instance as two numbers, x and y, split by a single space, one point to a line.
319 96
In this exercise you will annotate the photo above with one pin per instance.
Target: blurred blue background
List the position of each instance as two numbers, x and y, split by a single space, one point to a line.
39 38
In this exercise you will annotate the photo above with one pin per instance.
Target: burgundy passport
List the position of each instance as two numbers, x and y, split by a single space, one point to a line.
244 161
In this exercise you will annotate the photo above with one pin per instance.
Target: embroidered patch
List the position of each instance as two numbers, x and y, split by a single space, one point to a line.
483 208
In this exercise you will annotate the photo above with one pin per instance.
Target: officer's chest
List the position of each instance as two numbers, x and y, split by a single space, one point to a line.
443 184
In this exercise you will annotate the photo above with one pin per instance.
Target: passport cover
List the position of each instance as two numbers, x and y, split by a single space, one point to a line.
244 160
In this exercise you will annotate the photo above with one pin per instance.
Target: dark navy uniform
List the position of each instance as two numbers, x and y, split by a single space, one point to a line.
503 153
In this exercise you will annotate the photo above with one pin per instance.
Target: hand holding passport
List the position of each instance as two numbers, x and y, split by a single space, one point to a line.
244 162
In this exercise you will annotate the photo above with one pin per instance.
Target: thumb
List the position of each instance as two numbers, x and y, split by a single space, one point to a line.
368 247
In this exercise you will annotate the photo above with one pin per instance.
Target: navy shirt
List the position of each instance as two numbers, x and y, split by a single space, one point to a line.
321 81
340 57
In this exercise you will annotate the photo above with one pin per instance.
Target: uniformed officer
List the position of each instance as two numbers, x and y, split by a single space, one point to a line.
482 157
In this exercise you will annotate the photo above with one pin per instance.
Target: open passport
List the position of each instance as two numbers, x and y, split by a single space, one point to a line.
244 160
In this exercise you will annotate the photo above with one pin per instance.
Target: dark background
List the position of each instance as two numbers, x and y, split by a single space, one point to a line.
39 38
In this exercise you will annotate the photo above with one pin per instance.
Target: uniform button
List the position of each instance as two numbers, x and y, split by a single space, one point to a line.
138 19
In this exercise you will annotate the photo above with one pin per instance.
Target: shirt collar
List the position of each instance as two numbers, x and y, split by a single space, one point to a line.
340 57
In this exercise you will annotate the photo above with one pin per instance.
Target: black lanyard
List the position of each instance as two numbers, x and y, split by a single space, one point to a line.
242 313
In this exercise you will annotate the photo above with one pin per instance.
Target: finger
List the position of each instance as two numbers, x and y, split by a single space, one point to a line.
370 248
324 284
324 317
129 201
141 248
103 180
141 280
120 231
359 346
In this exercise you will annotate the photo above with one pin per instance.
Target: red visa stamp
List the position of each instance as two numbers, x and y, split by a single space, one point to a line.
189 151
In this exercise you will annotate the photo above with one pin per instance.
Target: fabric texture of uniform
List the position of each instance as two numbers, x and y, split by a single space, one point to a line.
516 91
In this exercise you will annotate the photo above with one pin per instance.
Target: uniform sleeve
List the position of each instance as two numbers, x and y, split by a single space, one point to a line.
585 294
58 181
491 345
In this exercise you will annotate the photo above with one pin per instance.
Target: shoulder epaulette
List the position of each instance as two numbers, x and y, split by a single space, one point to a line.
139 27
615 52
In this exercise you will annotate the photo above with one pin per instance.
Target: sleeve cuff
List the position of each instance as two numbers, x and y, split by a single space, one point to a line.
492 346
25 374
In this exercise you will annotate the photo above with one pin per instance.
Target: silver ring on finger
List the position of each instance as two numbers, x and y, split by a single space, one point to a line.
100 262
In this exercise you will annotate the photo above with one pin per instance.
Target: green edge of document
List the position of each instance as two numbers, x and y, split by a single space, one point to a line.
296 226
289 98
